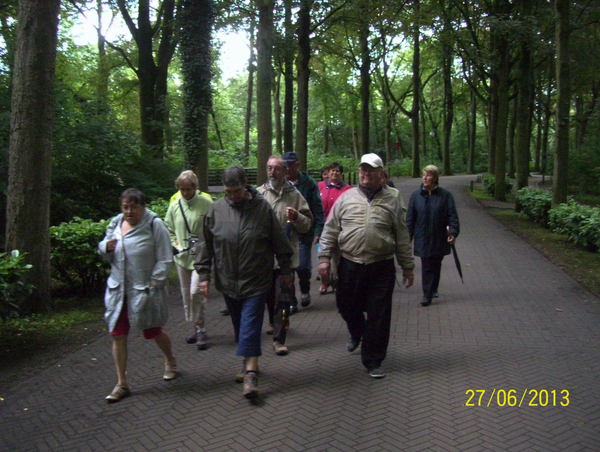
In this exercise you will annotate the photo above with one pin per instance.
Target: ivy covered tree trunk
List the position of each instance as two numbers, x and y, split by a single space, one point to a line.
30 160
264 85
563 88
196 27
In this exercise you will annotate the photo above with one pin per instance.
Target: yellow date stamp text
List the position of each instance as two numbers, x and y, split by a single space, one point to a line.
512 397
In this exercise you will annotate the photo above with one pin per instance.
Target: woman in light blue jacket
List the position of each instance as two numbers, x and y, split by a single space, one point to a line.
138 247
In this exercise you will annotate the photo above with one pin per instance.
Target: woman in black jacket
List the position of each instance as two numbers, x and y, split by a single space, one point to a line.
432 223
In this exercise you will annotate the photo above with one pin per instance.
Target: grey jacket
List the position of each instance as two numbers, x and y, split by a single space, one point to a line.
142 258
289 196
243 242
367 232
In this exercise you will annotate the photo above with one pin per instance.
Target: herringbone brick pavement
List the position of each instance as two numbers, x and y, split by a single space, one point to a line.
499 331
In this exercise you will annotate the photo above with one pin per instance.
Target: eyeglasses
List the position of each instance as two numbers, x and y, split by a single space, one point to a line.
274 168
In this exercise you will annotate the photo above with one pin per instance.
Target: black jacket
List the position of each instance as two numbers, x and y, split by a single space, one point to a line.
427 218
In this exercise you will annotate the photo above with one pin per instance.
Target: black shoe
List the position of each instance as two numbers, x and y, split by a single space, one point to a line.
435 295
293 309
305 300
426 302
377 372
352 344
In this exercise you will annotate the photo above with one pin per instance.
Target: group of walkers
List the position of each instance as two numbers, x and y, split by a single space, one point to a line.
255 241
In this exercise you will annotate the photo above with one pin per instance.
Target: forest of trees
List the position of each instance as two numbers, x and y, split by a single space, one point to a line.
498 86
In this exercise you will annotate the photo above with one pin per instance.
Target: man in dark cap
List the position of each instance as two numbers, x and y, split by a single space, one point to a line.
308 188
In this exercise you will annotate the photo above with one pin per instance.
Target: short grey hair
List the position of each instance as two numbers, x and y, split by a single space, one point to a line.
278 157
234 175
187 177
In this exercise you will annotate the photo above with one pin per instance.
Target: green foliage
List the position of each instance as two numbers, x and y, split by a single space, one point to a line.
489 183
580 223
159 207
13 288
584 169
74 254
535 203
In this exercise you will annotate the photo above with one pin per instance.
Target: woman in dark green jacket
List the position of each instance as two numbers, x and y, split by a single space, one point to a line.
432 223
243 237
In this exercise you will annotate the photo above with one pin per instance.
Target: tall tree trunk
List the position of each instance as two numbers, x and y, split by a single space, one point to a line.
303 76
102 86
325 137
512 128
277 114
288 70
492 127
416 163
217 128
563 88
30 154
264 85
502 119
525 92
473 132
365 79
196 23
152 76
448 111
546 125
251 70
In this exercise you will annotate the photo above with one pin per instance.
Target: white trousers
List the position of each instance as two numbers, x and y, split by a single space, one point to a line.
193 302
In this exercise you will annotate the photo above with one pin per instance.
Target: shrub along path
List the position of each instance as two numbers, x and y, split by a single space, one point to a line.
518 323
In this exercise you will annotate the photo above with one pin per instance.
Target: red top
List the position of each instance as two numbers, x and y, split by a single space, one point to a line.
330 193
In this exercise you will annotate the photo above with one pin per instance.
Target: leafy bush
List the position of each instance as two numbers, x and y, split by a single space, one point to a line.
535 203
489 183
159 207
74 254
13 289
581 223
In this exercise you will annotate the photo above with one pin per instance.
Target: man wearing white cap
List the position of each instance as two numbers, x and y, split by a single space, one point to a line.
366 226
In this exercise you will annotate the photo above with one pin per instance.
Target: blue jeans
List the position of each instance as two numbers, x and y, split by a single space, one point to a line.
305 267
247 318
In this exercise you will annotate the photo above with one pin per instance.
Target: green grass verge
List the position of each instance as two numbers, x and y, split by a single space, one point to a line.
30 341
579 263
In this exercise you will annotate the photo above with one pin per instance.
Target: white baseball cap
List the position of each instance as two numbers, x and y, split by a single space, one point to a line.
372 160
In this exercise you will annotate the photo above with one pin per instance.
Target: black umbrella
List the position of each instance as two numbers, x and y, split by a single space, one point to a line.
456 261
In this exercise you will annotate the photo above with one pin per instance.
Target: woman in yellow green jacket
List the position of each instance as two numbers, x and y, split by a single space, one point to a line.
184 220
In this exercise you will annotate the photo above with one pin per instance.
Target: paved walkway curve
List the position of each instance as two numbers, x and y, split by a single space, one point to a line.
517 323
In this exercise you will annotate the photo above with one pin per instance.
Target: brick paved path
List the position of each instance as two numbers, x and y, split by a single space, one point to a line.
501 330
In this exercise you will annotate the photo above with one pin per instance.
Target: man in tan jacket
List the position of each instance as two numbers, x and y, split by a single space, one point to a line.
366 226
295 216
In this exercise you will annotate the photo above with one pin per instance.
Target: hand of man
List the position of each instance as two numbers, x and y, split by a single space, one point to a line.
317 239
204 288
408 281
111 245
291 213
451 239
325 272
286 280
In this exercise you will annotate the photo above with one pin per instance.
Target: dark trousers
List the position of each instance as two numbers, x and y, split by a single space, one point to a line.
278 301
367 289
431 268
